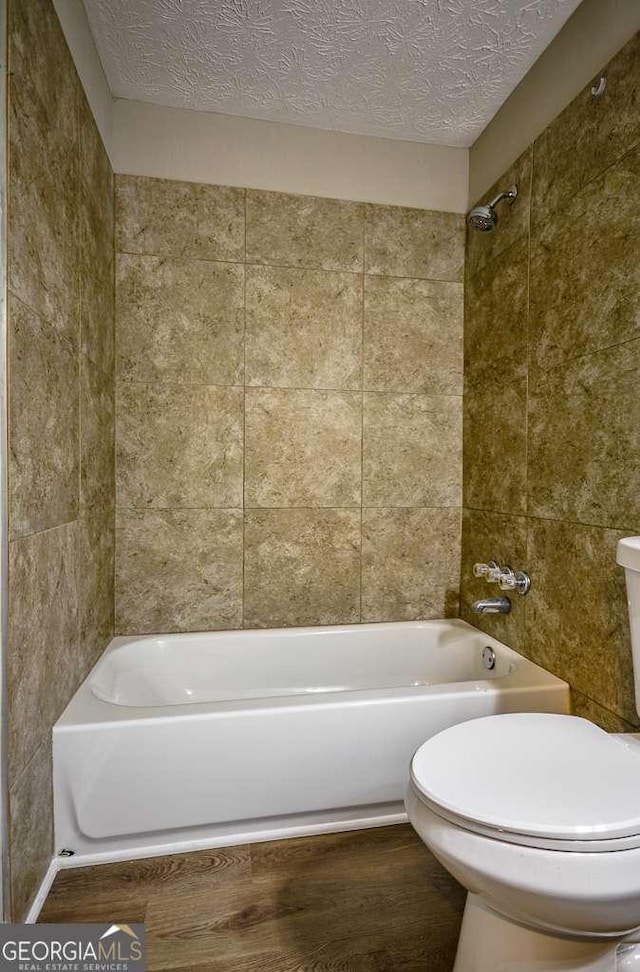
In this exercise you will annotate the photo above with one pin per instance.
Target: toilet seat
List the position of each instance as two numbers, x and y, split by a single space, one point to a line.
534 779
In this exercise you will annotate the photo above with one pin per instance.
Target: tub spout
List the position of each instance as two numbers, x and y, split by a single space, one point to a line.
492 605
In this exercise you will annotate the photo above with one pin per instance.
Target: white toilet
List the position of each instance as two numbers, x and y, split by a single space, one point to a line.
538 816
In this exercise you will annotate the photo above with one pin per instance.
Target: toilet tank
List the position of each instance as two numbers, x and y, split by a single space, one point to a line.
628 556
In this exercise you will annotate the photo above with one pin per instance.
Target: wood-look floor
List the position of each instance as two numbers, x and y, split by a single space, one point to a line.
366 901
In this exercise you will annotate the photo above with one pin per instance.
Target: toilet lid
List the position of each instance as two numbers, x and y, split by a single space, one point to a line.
534 774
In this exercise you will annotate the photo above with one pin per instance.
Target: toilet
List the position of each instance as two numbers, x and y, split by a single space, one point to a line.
538 817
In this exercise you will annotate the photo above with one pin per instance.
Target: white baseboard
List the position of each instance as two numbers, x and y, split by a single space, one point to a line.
189 846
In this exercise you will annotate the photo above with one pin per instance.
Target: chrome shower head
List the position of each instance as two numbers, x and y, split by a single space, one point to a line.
485 218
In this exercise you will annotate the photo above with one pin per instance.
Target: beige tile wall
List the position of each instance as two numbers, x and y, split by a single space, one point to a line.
61 415
552 402
289 410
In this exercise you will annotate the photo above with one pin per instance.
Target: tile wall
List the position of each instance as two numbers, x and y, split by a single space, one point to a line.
552 402
61 415
289 409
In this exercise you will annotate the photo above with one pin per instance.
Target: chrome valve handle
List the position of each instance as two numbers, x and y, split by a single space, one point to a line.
490 571
508 578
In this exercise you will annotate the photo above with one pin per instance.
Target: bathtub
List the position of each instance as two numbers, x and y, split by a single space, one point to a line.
179 742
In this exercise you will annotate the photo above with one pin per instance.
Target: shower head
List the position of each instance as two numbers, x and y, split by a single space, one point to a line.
485 218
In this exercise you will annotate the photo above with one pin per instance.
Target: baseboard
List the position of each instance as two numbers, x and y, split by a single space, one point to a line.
42 892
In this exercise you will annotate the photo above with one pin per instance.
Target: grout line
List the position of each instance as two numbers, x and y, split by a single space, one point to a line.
163 382
186 258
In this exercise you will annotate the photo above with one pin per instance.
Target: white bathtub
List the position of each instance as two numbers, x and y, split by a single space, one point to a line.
176 742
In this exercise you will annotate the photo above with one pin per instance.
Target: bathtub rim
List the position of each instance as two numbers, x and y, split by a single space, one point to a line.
87 708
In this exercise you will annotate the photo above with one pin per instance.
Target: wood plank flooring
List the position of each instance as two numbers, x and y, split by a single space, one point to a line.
365 901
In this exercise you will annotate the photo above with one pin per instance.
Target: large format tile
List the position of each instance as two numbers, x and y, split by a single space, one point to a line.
179 219
586 708
585 269
301 567
302 448
97 437
584 439
178 570
95 235
495 448
410 564
95 580
588 135
485 537
96 174
97 322
179 446
31 821
42 650
303 231
43 424
401 242
577 623
413 336
412 450
43 166
513 226
179 320
496 321
303 328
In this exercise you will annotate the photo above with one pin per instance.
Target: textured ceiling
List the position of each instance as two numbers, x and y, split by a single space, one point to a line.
425 70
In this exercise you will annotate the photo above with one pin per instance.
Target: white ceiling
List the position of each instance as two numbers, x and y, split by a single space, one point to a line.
424 70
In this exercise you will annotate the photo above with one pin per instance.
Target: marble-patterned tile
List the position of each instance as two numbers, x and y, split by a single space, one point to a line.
178 570
410 564
42 650
412 450
96 565
577 624
43 167
31 823
303 328
303 231
95 236
588 135
301 567
43 424
496 321
97 322
39 267
403 242
179 320
586 708
97 437
585 269
495 448
166 217
584 439
302 448
44 95
493 536
513 226
96 174
413 335
178 446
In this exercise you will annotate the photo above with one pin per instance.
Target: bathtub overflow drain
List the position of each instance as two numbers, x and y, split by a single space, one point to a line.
488 658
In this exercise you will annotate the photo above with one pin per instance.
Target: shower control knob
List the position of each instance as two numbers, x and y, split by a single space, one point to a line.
493 574
508 580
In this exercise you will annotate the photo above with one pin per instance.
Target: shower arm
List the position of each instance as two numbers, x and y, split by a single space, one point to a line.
510 195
